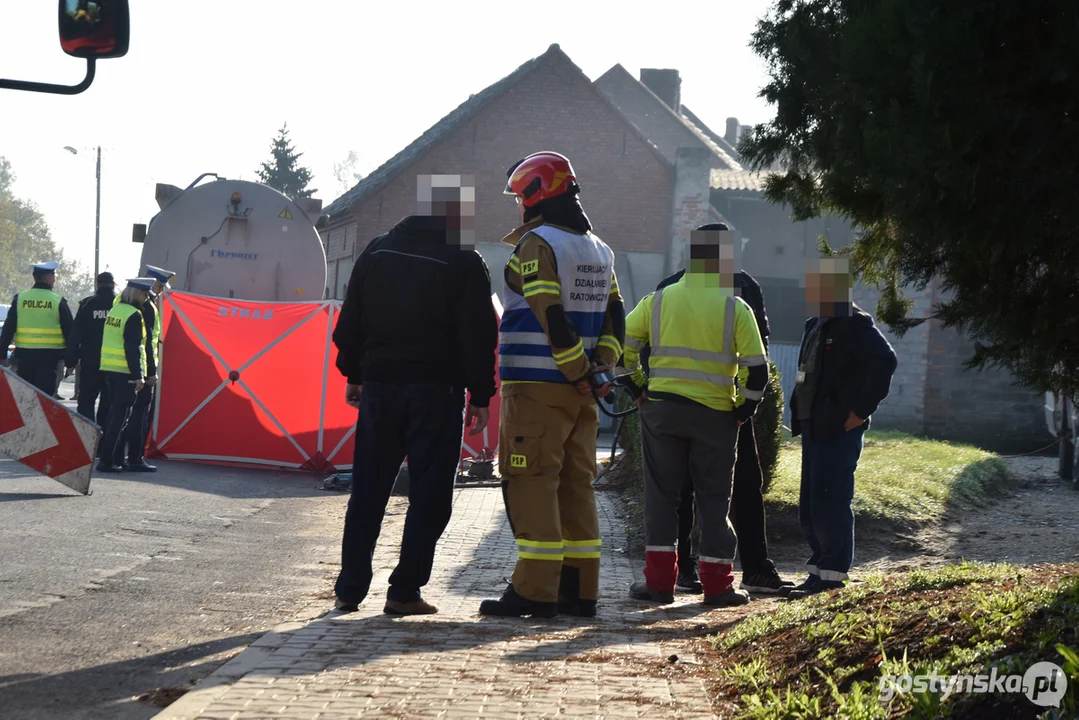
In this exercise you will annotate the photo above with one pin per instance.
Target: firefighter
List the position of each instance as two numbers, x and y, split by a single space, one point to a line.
84 349
138 430
563 323
700 333
40 322
124 361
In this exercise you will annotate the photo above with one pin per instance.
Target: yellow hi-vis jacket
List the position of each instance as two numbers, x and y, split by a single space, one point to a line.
39 321
700 337
113 347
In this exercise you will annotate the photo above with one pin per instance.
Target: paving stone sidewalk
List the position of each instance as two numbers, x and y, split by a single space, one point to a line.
460 664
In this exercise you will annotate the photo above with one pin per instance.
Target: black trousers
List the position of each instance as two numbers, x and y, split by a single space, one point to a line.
424 422
94 384
747 510
138 425
122 400
40 371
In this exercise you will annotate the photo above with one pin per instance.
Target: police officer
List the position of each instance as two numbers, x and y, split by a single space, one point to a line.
139 424
84 348
124 362
40 322
700 334
563 323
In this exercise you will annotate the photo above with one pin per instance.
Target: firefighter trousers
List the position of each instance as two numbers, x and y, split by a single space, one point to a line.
547 458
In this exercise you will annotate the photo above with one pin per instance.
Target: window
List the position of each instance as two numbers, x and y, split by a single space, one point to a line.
344 272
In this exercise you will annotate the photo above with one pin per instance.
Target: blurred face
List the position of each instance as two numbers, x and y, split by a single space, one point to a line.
46 278
711 255
454 198
828 287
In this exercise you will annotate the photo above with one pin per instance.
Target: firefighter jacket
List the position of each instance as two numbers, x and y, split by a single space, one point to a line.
39 320
123 343
561 307
700 336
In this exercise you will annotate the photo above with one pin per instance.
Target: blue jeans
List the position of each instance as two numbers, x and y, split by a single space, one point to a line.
824 505
424 422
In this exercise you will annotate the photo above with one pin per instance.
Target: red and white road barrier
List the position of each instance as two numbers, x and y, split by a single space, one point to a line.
44 435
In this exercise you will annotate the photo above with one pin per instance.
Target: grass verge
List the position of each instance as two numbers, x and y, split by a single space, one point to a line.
828 655
901 481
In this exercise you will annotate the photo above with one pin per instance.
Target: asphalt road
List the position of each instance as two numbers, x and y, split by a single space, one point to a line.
152 582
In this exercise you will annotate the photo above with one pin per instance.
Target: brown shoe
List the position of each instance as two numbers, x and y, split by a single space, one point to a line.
414 607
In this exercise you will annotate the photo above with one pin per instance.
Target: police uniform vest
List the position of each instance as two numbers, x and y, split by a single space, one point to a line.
585 270
698 345
157 333
113 353
39 321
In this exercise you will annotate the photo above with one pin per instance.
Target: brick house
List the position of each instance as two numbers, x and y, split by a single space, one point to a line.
650 171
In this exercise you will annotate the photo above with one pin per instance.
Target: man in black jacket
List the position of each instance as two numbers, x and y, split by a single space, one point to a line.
845 368
84 349
417 328
759 573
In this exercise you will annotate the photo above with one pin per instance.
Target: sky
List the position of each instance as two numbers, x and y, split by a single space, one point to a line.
206 84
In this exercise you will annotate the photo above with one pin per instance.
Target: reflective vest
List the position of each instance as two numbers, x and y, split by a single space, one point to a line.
700 337
113 354
585 270
38 318
157 333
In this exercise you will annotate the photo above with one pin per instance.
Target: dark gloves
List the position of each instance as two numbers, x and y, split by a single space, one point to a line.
746 410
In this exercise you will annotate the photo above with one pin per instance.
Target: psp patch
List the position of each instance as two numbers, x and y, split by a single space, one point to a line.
530 268
518 461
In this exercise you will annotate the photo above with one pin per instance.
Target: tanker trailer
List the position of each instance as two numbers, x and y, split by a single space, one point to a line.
236 239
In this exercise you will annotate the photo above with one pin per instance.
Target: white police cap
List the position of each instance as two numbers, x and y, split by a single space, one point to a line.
46 267
142 283
161 275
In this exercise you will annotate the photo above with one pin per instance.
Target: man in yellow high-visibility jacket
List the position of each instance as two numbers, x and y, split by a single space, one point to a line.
40 322
700 334
123 360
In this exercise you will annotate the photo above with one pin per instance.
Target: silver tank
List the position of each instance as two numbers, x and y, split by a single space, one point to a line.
237 239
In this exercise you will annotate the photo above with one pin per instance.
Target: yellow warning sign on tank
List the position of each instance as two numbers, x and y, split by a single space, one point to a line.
285 214
518 461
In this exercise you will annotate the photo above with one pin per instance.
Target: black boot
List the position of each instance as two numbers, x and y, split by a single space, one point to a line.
513 605
569 594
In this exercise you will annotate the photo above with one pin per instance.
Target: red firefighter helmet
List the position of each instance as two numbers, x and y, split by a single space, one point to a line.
540 176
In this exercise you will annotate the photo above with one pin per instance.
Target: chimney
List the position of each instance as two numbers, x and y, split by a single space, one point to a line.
733 128
666 84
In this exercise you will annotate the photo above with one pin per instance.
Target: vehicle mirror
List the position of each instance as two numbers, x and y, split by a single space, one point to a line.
95 28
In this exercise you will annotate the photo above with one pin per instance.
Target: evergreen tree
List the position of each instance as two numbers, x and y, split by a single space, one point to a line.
948 132
283 172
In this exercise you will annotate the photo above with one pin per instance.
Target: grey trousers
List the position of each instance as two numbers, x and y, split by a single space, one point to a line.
679 439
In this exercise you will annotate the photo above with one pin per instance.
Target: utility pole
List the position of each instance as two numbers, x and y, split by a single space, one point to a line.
97 221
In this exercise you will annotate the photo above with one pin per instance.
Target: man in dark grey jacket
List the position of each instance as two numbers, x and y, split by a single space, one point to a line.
417 329
845 368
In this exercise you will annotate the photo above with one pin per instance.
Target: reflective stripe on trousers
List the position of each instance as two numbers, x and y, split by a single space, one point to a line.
539 550
582 548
